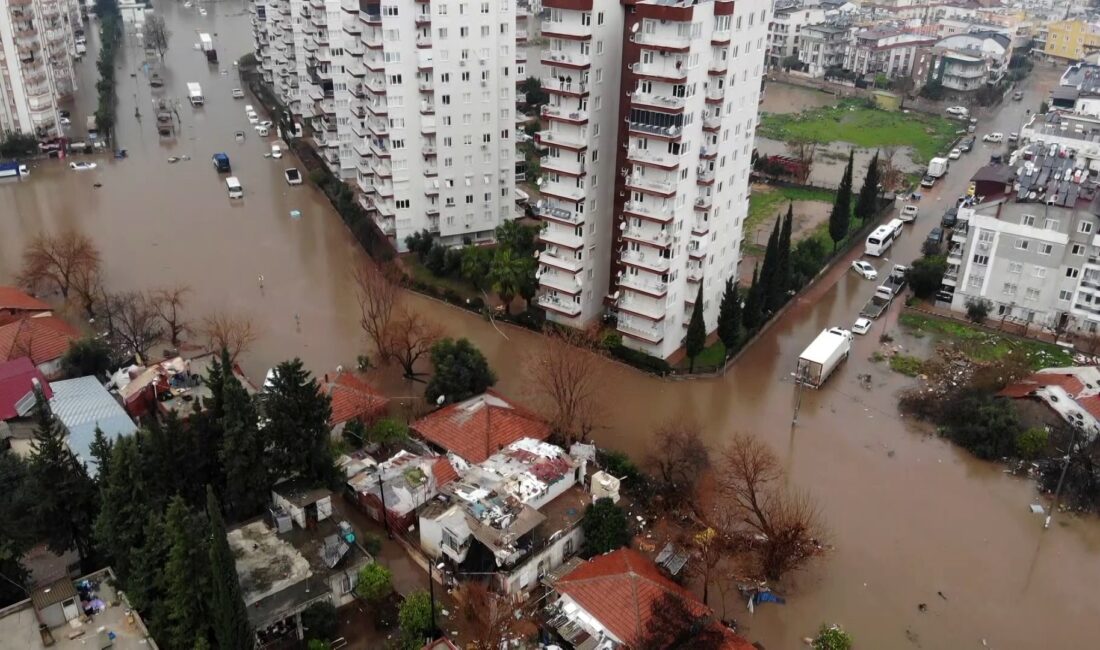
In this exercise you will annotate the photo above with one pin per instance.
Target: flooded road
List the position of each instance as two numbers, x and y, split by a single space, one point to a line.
909 515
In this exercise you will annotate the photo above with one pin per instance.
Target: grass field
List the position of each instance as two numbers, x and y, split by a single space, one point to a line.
418 271
767 203
713 355
853 122
981 345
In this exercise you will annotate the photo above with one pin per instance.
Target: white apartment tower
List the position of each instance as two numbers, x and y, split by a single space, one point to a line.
36 64
680 128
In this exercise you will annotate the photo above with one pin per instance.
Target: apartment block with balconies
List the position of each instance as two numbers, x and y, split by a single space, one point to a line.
691 81
582 59
36 56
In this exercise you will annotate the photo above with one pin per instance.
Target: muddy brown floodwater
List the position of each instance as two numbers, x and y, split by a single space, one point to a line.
909 515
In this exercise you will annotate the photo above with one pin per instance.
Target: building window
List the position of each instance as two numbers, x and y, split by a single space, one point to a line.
1078 249
981 260
1040 272
1022 244
1046 249
1064 295
1028 220
1085 227
1072 272
1015 267
1051 224
1031 295
1009 289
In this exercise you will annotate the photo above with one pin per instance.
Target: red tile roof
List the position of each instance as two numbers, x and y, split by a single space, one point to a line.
480 426
1071 384
443 472
14 299
1091 404
354 398
15 383
621 588
42 339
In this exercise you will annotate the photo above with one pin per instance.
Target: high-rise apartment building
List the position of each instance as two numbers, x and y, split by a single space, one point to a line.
36 63
412 101
676 123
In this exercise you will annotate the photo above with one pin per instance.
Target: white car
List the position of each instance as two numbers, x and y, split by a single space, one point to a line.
248 109
276 151
958 111
996 136
909 213
292 176
253 118
955 154
864 269
64 121
238 93
265 123
861 326
81 166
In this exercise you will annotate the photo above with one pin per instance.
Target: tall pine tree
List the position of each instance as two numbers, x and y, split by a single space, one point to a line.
868 193
766 279
753 314
840 217
782 282
696 340
297 426
101 449
229 618
64 501
123 515
247 478
187 590
729 318
145 574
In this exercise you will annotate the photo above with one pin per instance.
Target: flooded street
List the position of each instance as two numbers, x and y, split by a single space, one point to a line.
908 514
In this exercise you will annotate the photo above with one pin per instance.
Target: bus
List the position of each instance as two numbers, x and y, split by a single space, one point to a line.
895 226
880 240
93 131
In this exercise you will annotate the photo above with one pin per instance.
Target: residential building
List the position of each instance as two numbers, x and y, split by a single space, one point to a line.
964 62
75 615
1032 254
1078 90
83 405
514 516
888 52
391 491
1077 135
824 47
476 428
174 385
785 31
18 380
1071 40
15 305
45 339
317 557
353 399
36 59
1072 395
611 601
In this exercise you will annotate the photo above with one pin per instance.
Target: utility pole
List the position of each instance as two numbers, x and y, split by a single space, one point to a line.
382 494
1061 479
799 380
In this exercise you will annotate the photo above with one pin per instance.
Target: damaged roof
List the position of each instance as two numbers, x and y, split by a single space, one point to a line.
480 426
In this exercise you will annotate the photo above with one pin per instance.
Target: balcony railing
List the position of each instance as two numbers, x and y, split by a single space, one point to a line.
653 157
663 101
557 303
554 83
649 333
662 38
565 114
642 307
557 188
562 139
651 261
649 235
663 214
571 28
639 283
653 185
664 71
566 58
667 131
545 210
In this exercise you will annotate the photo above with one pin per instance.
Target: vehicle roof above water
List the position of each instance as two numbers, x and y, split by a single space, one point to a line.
232 182
824 345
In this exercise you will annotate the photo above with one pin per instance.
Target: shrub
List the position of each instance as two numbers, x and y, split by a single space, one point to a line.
906 365
977 310
319 620
373 544
1031 443
640 360
832 637
985 425
619 465
375 583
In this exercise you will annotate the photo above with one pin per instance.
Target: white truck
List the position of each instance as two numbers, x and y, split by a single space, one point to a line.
194 93
208 47
822 357
937 167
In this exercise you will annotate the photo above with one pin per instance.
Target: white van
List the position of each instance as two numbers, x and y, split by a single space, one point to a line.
234 186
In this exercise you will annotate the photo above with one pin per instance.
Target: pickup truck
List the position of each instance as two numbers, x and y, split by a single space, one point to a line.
896 281
878 302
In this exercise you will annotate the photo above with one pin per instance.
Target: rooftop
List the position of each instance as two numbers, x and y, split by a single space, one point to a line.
300 492
82 405
15 299
352 398
43 339
408 480
17 387
1085 77
19 624
476 428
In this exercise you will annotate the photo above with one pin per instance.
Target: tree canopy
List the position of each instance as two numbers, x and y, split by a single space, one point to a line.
605 527
460 372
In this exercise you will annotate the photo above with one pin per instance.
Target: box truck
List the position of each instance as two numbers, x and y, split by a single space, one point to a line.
821 358
208 47
194 93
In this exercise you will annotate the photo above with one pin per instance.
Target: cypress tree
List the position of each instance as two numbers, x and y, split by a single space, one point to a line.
753 314
696 340
297 424
123 514
782 280
229 619
101 449
868 194
63 499
841 215
247 480
729 317
145 577
767 270
186 576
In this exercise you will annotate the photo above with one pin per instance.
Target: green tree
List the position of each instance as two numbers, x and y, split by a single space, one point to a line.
509 273
229 618
532 89
476 262
729 317
767 279
753 313
320 621
977 310
101 449
783 259
123 514
517 237
868 193
247 477
985 425
388 431
375 583
840 217
696 340
186 576
297 428
88 356
832 637
605 527
436 260
1032 442
926 275
807 260
64 499
145 579
18 527
460 371
415 618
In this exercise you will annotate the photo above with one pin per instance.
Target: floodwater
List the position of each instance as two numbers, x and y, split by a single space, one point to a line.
909 515
787 98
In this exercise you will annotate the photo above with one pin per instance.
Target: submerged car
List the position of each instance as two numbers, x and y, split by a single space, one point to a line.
861 326
238 93
292 176
276 151
81 166
864 269
993 137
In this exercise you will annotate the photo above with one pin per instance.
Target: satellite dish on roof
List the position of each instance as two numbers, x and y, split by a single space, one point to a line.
634 28
538 181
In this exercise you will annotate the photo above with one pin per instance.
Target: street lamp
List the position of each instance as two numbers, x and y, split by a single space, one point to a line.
434 633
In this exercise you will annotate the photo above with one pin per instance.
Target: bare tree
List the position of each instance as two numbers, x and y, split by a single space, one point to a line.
566 376
408 337
136 324
678 457
491 617
168 303
891 177
54 261
378 293
87 284
751 482
803 150
157 34
230 331
673 624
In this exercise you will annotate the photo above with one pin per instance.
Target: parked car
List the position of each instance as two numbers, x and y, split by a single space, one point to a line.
967 144
955 154
958 111
928 181
64 121
238 93
861 326
1017 96
864 269
909 213
950 218
996 136
276 151
292 176
81 166
254 119
1013 137
935 236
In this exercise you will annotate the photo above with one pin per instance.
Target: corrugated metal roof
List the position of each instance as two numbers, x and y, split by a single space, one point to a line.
57 592
82 404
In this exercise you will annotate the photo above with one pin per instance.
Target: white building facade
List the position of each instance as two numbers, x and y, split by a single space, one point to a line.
36 63
785 31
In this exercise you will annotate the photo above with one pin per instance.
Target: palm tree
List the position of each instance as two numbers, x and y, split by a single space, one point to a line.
508 273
